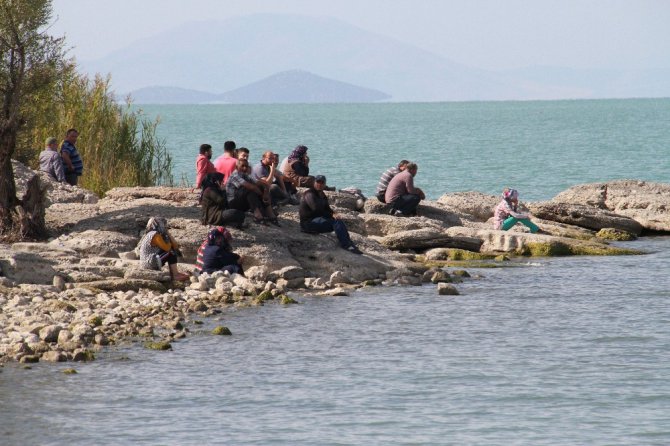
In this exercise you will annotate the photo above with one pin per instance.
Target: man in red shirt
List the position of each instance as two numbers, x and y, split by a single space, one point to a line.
225 164
203 165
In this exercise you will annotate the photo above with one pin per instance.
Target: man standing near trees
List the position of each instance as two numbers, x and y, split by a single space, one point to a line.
74 166
51 162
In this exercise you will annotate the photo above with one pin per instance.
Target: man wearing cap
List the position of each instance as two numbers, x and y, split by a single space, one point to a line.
51 162
401 194
316 215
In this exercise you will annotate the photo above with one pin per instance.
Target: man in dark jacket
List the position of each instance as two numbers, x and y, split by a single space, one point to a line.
316 215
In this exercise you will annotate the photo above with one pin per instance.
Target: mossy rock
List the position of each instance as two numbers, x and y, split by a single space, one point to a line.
285 300
556 248
265 295
158 345
502 258
469 264
462 254
83 355
95 321
615 234
222 331
460 273
371 282
70 371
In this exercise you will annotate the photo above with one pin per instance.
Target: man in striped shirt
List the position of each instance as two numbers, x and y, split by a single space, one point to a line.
74 166
386 179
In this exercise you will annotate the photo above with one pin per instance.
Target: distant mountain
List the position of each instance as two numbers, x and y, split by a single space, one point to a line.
297 86
219 56
171 95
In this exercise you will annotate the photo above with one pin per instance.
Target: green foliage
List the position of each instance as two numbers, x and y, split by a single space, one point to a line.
119 145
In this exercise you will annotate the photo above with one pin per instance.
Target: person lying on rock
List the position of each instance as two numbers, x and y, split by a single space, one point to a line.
316 215
214 203
401 193
507 214
157 247
216 253
244 194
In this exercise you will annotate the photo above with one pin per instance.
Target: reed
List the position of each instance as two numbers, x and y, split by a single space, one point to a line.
118 144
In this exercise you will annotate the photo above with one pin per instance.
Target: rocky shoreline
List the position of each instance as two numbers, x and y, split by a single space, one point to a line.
64 299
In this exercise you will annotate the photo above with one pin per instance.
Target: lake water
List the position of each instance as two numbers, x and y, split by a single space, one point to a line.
540 148
558 351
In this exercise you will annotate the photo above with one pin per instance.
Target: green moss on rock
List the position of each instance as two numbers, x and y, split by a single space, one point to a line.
615 234
462 254
158 345
70 371
265 295
95 321
556 248
222 331
285 300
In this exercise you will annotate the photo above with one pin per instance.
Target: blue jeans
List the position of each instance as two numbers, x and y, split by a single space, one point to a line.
322 225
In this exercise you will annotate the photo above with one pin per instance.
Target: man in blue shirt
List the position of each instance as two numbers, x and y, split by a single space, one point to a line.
72 162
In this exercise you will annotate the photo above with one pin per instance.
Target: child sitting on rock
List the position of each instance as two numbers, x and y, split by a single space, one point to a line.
506 214
157 247
216 253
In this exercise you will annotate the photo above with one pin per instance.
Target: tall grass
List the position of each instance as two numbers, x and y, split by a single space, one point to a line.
118 145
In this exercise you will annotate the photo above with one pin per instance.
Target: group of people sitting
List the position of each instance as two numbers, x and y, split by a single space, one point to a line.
230 188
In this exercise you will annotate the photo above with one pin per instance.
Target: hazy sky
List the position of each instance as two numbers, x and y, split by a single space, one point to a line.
491 34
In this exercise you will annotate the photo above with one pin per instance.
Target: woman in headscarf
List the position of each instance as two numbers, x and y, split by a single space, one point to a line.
216 253
157 247
297 168
507 214
214 203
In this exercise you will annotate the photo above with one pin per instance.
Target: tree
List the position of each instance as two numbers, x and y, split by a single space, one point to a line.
30 60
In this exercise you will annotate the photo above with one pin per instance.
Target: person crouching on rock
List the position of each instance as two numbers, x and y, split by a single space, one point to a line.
506 214
157 247
214 203
216 253
316 215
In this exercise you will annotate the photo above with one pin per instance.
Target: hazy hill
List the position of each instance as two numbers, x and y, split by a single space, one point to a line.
218 56
300 86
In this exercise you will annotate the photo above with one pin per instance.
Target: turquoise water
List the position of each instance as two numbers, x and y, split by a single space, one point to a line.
565 351
541 147
562 351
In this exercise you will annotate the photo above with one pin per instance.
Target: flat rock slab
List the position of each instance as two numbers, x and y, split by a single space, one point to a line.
427 238
647 203
584 216
26 267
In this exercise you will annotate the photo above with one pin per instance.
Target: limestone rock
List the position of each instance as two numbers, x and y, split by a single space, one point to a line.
26 267
50 333
421 239
495 242
446 289
162 276
475 205
54 356
100 243
585 216
615 234
645 202
288 273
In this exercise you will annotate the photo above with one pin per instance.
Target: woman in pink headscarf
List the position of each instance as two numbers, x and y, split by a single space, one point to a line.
506 214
